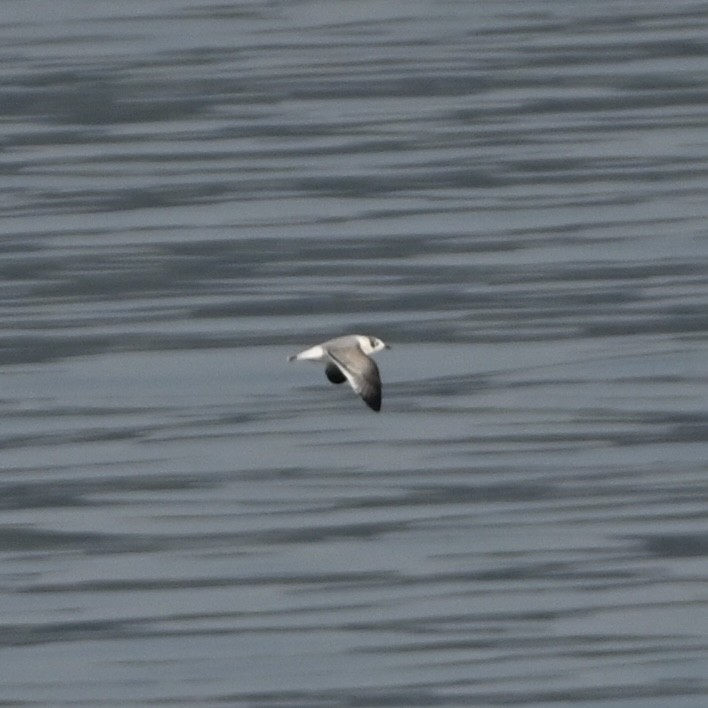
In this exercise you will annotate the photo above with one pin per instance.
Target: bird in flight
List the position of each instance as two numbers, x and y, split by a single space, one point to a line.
347 359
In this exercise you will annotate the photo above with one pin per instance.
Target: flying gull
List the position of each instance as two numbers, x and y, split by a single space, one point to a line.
347 359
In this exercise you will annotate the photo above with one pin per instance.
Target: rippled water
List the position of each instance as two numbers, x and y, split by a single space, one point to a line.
513 195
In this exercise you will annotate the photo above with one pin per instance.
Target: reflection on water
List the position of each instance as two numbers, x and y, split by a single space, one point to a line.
515 199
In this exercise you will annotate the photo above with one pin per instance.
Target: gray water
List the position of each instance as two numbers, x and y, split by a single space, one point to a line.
513 195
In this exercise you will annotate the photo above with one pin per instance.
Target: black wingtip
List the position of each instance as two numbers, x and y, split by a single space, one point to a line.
374 402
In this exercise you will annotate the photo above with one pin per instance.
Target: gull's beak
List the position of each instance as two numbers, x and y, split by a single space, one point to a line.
387 346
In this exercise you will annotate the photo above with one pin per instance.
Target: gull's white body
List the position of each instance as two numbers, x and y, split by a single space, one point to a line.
348 359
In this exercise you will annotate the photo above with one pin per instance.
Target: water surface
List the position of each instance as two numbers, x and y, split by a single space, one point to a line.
513 197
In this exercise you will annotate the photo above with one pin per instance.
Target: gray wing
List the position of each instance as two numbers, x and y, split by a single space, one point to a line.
361 372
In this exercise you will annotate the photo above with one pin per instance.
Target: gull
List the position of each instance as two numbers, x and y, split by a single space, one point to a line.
347 359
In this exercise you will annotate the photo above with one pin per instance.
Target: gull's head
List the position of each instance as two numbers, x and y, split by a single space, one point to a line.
369 345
